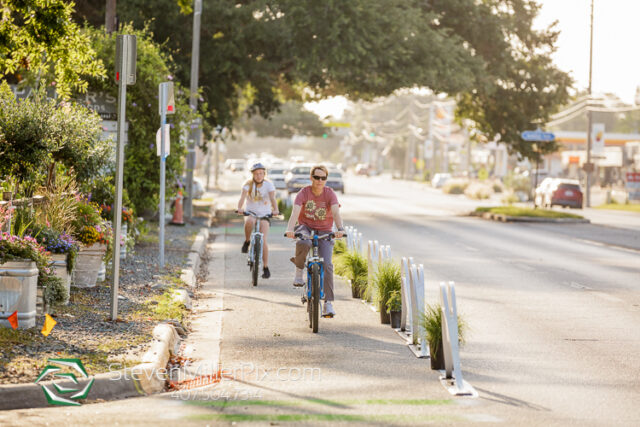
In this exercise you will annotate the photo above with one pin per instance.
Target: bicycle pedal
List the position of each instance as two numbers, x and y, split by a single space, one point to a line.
304 300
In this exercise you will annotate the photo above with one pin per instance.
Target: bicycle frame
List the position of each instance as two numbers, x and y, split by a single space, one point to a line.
252 247
315 259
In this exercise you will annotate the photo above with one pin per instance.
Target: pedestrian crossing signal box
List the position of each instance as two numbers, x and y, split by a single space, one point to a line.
126 52
166 98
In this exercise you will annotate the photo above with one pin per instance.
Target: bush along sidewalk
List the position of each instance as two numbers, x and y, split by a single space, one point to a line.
147 296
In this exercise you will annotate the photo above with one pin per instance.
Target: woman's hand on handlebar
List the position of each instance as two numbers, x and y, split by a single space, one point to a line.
289 234
240 212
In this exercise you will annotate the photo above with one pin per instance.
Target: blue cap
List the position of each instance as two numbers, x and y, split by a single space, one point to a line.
257 166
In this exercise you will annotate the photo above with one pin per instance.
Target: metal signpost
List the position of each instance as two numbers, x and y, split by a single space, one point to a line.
196 128
166 106
125 75
536 136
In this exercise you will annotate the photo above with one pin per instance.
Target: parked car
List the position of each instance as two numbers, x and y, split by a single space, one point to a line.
335 180
559 192
297 178
363 169
440 179
234 165
276 175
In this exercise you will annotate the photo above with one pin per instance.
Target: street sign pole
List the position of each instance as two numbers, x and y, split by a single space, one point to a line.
589 131
193 103
125 74
163 95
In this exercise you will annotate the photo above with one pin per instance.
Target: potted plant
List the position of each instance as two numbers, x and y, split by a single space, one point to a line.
432 323
22 260
64 251
394 308
95 236
354 268
388 278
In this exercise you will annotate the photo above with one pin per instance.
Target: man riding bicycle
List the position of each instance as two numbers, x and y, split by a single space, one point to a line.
260 195
316 208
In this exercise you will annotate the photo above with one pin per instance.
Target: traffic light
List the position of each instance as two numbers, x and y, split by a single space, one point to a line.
372 134
325 135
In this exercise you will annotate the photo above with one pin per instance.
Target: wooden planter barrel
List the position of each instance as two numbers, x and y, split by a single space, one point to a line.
18 287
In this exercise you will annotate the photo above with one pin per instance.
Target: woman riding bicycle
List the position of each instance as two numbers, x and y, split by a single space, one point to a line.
316 208
260 195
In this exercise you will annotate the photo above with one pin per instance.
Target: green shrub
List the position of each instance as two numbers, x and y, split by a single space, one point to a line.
387 278
284 209
353 266
394 303
339 247
431 321
455 186
54 291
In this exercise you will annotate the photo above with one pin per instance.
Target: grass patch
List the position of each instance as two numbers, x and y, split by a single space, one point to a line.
324 417
521 212
165 307
620 207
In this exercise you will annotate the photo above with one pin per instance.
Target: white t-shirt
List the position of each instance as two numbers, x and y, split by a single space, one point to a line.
258 201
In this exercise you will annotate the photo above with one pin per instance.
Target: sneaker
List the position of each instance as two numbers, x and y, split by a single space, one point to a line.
245 247
298 283
327 310
266 273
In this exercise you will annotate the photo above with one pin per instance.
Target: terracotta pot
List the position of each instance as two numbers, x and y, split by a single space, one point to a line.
385 319
88 265
18 289
396 319
59 264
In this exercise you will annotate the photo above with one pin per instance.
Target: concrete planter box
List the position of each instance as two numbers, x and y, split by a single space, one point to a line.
18 284
88 265
59 264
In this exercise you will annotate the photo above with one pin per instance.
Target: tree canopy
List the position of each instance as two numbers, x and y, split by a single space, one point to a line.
255 54
39 41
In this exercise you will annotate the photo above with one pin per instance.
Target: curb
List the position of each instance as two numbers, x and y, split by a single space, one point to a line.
198 247
143 379
507 218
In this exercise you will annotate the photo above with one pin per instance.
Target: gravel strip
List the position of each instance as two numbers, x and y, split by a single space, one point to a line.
84 329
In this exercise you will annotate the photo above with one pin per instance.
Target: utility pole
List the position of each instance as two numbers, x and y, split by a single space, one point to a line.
590 167
196 130
110 16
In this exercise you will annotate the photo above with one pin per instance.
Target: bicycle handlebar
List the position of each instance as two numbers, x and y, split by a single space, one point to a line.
301 236
256 216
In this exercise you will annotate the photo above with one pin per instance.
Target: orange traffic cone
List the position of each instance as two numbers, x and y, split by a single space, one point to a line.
177 211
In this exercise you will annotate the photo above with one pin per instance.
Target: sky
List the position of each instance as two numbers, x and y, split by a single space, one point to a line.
616 59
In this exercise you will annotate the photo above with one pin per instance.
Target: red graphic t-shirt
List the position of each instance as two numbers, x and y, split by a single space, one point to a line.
316 210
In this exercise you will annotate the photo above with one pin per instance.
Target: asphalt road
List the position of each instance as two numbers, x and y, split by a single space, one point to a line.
553 309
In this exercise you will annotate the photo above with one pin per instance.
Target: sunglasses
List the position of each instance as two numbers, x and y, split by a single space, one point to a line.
318 178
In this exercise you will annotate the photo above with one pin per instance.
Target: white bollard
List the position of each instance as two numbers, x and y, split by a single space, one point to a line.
405 323
417 305
360 243
450 341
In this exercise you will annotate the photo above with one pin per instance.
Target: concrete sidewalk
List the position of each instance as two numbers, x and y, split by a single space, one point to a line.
275 369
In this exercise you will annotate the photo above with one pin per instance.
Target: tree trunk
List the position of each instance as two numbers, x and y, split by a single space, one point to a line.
110 16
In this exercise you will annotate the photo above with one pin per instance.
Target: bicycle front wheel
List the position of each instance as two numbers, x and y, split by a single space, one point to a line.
315 297
256 260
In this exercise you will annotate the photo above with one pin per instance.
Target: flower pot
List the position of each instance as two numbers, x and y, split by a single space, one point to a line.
59 264
88 265
102 273
355 292
384 316
396 319
437 358
123 247
18 288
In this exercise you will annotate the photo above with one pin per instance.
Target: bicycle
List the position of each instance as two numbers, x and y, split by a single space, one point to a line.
254 259
313 292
